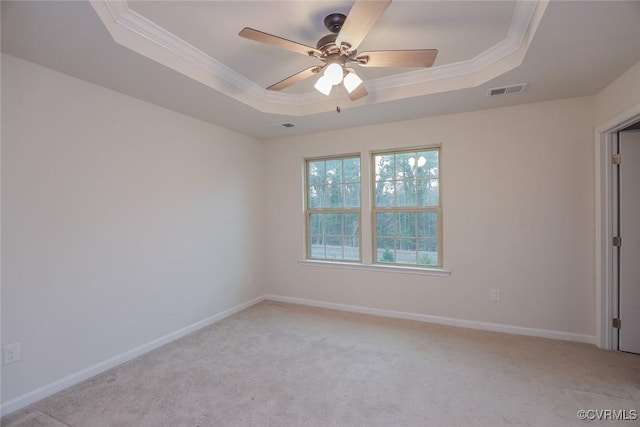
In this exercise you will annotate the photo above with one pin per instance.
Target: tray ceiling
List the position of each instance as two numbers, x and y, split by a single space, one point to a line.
199 40
188 57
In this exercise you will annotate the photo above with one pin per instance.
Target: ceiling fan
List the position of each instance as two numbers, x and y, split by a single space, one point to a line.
338 50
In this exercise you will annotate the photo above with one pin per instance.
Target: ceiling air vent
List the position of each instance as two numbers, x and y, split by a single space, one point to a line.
284 125
507 89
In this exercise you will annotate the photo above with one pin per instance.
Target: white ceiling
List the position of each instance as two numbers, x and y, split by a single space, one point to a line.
191 59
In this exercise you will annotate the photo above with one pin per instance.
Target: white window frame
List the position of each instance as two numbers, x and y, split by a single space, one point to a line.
367 244
409 209
309 210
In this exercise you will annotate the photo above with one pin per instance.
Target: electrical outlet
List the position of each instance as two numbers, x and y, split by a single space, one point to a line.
495 294
11 353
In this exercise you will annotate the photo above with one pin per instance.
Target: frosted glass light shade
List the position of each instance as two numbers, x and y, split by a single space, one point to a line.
334 73
351 81
323 85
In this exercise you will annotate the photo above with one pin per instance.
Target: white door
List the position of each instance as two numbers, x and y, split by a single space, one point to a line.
629 202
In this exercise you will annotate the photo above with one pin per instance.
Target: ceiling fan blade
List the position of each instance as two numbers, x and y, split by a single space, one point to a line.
259 36
298 77
398 58
359 92
363 15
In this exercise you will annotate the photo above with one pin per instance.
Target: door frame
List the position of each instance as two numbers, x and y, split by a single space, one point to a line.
606 289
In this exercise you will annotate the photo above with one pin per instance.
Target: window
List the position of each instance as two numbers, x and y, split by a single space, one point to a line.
407 215
406 211
333 208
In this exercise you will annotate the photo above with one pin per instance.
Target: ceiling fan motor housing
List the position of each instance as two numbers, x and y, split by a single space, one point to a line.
326 41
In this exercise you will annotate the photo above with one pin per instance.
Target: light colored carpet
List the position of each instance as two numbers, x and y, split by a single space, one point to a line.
37 419
284 365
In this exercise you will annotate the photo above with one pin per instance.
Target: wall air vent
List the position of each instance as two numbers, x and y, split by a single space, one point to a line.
507 89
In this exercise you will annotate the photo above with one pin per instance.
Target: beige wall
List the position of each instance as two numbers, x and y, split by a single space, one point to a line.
518 199
619 96
121 222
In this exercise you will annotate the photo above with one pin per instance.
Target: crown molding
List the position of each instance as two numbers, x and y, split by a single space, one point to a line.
132 30
517 34
142 26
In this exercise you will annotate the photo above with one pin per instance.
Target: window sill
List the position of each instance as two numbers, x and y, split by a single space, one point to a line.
376 267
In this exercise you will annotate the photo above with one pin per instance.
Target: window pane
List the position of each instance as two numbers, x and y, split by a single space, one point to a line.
429 245
316 173
384 167
334 247
351 247
385 250
317 247
334 171
351 225
405 163
405 193
427 164
335 236
333 224
428 251
384 224
428 192
316 224
427 224
433 195
405 245
352 195
334 196
351 170
405 225
405 251
384 194
316 196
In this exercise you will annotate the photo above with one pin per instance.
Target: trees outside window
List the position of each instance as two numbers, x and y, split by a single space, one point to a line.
406 207
406 212
333 208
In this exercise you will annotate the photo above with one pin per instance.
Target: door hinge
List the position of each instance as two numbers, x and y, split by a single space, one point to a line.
616 323
617 159
617 241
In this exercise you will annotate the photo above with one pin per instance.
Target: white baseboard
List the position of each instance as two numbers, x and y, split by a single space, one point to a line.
485 326
49 389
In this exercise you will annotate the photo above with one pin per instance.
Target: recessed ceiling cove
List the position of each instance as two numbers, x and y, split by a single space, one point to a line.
200 40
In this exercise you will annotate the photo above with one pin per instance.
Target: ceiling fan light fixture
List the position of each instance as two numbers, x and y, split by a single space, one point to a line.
334 73
351 81
323 85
